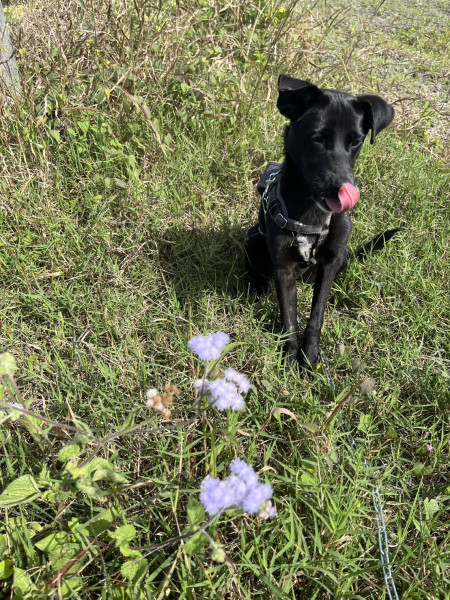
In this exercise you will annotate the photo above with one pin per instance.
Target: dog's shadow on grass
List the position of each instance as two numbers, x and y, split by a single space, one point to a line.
196 259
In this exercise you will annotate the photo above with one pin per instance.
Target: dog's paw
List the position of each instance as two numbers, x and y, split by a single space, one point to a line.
306 361
290 353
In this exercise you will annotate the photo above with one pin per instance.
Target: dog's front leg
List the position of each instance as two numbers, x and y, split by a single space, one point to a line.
285 283
325 276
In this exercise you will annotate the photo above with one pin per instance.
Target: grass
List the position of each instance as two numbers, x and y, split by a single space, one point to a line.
128 176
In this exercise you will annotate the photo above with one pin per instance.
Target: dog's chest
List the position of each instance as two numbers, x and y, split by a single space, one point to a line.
307 245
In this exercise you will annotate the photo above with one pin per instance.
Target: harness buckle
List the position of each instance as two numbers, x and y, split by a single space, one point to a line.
280 220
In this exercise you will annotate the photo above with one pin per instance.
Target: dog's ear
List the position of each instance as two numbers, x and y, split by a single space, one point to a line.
295 96
377 114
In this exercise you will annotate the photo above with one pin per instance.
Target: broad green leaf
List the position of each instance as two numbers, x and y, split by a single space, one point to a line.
22 489
90 489
52 543
134 570
195 543
70 451
84 427
420 469
431 508
70 586
55 134
195 512
22 583
307 480
123 535
120 183
103 521
218 553
6 569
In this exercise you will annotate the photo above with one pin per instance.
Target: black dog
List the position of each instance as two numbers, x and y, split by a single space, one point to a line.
303 228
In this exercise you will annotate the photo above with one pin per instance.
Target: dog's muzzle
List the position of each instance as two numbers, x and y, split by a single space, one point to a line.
348 196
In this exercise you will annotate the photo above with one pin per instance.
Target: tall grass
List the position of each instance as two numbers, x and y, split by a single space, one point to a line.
128 169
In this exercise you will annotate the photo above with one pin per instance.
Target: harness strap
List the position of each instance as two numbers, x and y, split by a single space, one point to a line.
274 205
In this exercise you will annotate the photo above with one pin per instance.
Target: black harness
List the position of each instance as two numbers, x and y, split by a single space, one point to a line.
273 205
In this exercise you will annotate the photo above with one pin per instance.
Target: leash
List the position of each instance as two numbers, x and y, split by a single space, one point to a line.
383 542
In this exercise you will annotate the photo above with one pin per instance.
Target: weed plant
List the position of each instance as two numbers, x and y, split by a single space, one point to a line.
128 172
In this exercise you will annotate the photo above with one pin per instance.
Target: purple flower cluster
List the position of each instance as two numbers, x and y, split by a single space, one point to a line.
209 347
225 392
240 490
240 380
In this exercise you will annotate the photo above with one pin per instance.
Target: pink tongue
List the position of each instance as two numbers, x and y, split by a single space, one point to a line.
348 196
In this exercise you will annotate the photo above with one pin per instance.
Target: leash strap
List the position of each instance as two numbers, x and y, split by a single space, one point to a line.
383 542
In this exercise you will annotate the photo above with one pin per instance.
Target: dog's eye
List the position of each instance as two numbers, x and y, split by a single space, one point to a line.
355 142
317 139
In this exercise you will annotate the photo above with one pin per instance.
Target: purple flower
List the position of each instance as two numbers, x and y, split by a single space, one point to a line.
244 471
429 447
241 489
255 496
202 386
209 347
213 496
224 394
240 380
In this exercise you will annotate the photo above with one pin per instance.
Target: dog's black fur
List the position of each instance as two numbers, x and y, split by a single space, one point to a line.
322 142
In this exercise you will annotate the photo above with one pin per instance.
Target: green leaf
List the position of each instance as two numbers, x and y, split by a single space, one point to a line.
102 521
195 543
52 543
84 126
3 545
120 183
6 569
307 480
7 363
55 135
84 427
218 553
123 535
129 421
420 469
365 422
195 512
22 583
391 433
22 489
431 508
70 586
134 570
70 451
90 489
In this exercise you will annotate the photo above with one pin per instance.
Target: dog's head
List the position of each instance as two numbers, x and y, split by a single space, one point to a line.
326 132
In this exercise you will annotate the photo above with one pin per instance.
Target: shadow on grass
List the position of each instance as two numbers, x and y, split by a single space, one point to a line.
197 259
